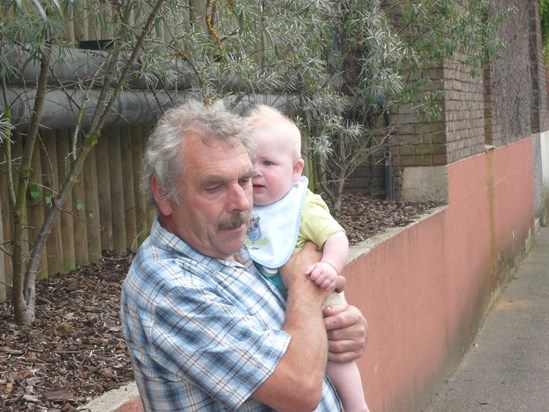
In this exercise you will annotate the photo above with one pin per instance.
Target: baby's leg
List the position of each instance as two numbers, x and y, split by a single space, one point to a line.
346 379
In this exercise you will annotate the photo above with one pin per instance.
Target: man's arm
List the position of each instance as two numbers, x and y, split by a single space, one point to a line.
296 383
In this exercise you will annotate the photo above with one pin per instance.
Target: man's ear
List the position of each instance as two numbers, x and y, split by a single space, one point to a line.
164 206
298 168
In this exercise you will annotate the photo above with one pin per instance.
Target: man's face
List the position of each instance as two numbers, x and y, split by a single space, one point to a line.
216 198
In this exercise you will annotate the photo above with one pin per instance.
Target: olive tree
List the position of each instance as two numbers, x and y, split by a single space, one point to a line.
171 49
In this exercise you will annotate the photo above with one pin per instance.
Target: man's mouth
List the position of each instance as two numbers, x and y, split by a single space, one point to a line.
236 221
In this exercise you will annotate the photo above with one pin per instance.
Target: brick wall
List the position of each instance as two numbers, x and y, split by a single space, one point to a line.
418 142
464 110
504 103
540 106
512 77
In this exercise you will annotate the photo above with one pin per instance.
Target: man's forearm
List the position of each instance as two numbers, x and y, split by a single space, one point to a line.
296 383
305 323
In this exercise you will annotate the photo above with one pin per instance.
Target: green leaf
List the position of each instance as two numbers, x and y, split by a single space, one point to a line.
40 10
34 191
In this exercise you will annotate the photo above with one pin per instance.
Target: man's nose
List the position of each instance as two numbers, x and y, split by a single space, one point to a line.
241 197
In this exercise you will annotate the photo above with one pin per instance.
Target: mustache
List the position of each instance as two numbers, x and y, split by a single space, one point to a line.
235 220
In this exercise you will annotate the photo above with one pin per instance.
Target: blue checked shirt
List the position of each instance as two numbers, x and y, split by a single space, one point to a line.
203 333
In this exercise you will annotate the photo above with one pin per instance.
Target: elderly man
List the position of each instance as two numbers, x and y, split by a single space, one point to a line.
205 331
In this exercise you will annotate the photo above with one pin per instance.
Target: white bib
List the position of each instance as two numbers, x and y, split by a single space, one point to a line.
273 231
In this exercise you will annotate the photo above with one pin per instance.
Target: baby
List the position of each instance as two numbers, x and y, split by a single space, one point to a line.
286 215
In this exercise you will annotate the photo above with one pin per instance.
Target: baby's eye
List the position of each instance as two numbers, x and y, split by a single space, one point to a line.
267 163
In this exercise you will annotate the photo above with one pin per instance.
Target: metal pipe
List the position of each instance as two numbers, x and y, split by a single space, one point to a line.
389 178
138 107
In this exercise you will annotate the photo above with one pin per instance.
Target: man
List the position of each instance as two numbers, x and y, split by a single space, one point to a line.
205 331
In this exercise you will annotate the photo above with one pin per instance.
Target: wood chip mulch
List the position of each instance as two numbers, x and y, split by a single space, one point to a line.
75 351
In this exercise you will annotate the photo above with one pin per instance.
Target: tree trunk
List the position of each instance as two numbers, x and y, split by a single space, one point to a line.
24 315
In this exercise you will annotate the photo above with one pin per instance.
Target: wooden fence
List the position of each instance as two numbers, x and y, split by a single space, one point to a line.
105 211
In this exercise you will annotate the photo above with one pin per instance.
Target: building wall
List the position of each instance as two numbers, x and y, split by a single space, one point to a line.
425 289
463 109
544 148
513 85
540 100
498 106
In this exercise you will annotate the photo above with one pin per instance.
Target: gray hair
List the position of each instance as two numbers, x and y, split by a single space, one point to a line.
208 123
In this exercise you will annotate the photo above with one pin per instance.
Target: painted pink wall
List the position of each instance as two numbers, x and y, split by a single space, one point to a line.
425 289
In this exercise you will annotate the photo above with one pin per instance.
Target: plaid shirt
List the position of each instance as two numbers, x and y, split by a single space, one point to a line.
203 333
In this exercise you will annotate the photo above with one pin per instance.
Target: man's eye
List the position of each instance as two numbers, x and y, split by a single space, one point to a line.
212 189
245 182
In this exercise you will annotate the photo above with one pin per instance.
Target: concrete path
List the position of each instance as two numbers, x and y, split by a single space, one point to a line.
507 369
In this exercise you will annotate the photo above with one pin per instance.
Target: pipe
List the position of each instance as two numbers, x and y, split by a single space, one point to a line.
72 66
136 107
389 178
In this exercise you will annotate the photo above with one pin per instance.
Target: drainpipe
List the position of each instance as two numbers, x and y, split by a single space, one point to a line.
389 180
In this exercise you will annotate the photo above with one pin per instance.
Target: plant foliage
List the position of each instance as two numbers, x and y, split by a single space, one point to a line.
338 67
544 17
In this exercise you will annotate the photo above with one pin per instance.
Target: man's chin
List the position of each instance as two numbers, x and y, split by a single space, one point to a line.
234 242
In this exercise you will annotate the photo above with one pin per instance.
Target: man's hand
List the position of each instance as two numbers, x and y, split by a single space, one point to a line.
347 331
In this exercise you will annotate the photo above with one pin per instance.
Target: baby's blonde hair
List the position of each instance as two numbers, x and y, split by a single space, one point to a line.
263 115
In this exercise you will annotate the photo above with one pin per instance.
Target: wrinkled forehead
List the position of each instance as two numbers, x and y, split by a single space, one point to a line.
212 154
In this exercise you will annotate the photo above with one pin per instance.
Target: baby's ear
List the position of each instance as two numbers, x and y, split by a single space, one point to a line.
298 168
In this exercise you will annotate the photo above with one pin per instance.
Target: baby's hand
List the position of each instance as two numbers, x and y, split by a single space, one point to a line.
324 276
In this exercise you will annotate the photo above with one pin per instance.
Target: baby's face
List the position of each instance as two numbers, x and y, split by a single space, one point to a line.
275 169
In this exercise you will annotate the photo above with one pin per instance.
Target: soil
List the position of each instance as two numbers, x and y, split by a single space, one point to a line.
75 351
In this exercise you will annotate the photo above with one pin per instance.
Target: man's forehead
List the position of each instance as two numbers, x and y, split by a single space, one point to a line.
221 166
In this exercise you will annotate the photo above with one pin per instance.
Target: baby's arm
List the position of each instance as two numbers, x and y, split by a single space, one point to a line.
335 253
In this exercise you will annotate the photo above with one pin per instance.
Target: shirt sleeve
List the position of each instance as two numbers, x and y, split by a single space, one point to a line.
207 339
317 224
